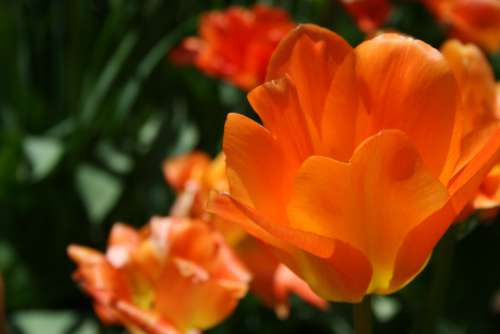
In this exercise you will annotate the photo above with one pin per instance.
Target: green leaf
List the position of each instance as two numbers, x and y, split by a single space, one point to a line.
107 77
188 138
44 322
149 131
385 308
7 255
467 226
230 95
99 191
87 327
53 322
131 90
187 133
43 153
339 325
114 159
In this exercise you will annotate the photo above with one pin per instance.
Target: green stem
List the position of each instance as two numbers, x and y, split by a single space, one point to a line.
363 317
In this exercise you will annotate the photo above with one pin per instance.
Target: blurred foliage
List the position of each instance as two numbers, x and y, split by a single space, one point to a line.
90 107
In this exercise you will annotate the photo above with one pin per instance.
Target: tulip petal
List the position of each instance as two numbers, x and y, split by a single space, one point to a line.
275 235
489 196
152 252
477 21
258 173
417 247
178 299
371 202
472 144
98 278
194 243
406 84
95 272
412 259
342 110
464 186
123 240
198 250
179 170
199 268
286 282
223 207
345 276
313 243
144 320
310 55
478 93
262 263
369 14
229 270
276 102
236 43
476 82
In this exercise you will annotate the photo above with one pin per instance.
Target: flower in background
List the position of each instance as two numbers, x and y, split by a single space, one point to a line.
475 21
195 177
369 14
352 181
480 109
153 280
235 44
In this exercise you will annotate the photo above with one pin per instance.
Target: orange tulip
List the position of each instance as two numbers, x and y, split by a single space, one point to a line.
475 21
369 14
236 44
194 177
481 108
153 280
362 162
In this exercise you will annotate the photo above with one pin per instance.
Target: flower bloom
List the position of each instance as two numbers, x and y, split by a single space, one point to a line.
481 108
236 44
475 21
361 163
173 276
369 14
195 176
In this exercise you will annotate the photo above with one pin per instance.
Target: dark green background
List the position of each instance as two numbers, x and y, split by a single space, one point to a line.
90 107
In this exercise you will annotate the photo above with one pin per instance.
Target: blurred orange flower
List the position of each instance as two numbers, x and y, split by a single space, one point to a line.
353 179
195 176
369 14
235 44
475 21
153 280
480 108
